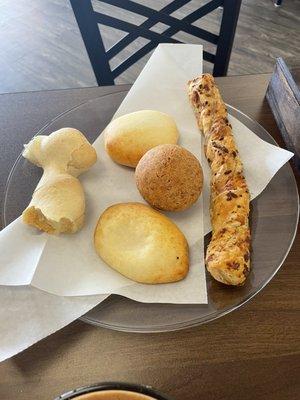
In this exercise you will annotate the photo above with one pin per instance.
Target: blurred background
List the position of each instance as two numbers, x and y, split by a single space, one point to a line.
41 46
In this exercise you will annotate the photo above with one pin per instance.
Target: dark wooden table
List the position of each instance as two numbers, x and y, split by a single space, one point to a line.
252 353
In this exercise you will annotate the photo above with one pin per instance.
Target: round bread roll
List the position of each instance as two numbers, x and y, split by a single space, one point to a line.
141 244
130 136
169 178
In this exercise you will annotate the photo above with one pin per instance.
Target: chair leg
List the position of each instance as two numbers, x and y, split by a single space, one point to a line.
91 36
231 9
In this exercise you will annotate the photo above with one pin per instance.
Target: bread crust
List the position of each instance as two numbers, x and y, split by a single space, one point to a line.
130 136
228 253
169 178
141 244
58 202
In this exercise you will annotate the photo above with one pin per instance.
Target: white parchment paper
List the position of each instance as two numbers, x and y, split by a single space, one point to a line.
68 265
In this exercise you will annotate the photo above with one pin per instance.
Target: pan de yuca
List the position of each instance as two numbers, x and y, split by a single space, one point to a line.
130 136
141 244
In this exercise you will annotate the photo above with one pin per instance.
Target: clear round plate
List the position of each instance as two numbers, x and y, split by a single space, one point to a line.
274 218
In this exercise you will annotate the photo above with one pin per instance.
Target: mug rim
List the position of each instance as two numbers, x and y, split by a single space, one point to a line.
114 385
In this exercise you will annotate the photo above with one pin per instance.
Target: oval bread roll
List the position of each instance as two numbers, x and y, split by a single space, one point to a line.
141 244
130 136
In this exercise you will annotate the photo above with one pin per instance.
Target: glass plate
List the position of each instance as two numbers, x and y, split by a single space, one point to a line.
274 217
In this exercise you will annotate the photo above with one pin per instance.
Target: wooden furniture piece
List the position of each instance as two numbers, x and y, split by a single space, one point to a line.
283 95
88 20
253 352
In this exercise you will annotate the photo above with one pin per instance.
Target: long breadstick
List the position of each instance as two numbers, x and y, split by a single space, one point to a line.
228 255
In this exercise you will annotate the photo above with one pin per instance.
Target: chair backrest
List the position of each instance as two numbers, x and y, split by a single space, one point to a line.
88 20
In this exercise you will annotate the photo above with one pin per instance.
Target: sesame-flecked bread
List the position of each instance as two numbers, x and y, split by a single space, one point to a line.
130 136
141 244
169 178
228 253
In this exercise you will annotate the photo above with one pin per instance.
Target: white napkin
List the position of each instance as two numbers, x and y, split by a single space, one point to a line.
28 315
36 258
68 265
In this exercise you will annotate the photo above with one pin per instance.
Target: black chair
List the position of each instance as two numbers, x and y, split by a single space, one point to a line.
88 20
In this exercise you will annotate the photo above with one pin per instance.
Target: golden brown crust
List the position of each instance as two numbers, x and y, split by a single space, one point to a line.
129 137
228 255
141 244
169 178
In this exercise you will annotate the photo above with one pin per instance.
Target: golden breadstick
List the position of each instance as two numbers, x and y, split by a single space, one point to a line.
228 255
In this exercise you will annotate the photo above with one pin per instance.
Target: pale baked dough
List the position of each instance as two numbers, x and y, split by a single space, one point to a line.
58 203
130 136
58 206
228 253
169 178
141 244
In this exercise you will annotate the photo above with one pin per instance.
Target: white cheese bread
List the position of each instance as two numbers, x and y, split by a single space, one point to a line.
141 244
58 202
129 137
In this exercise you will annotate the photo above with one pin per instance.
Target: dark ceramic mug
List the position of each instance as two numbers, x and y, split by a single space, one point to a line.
108 386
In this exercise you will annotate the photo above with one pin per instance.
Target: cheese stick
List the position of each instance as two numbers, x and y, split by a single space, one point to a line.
228 254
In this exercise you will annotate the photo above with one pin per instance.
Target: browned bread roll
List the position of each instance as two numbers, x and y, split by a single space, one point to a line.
141 244
228 253
169 177
129 137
